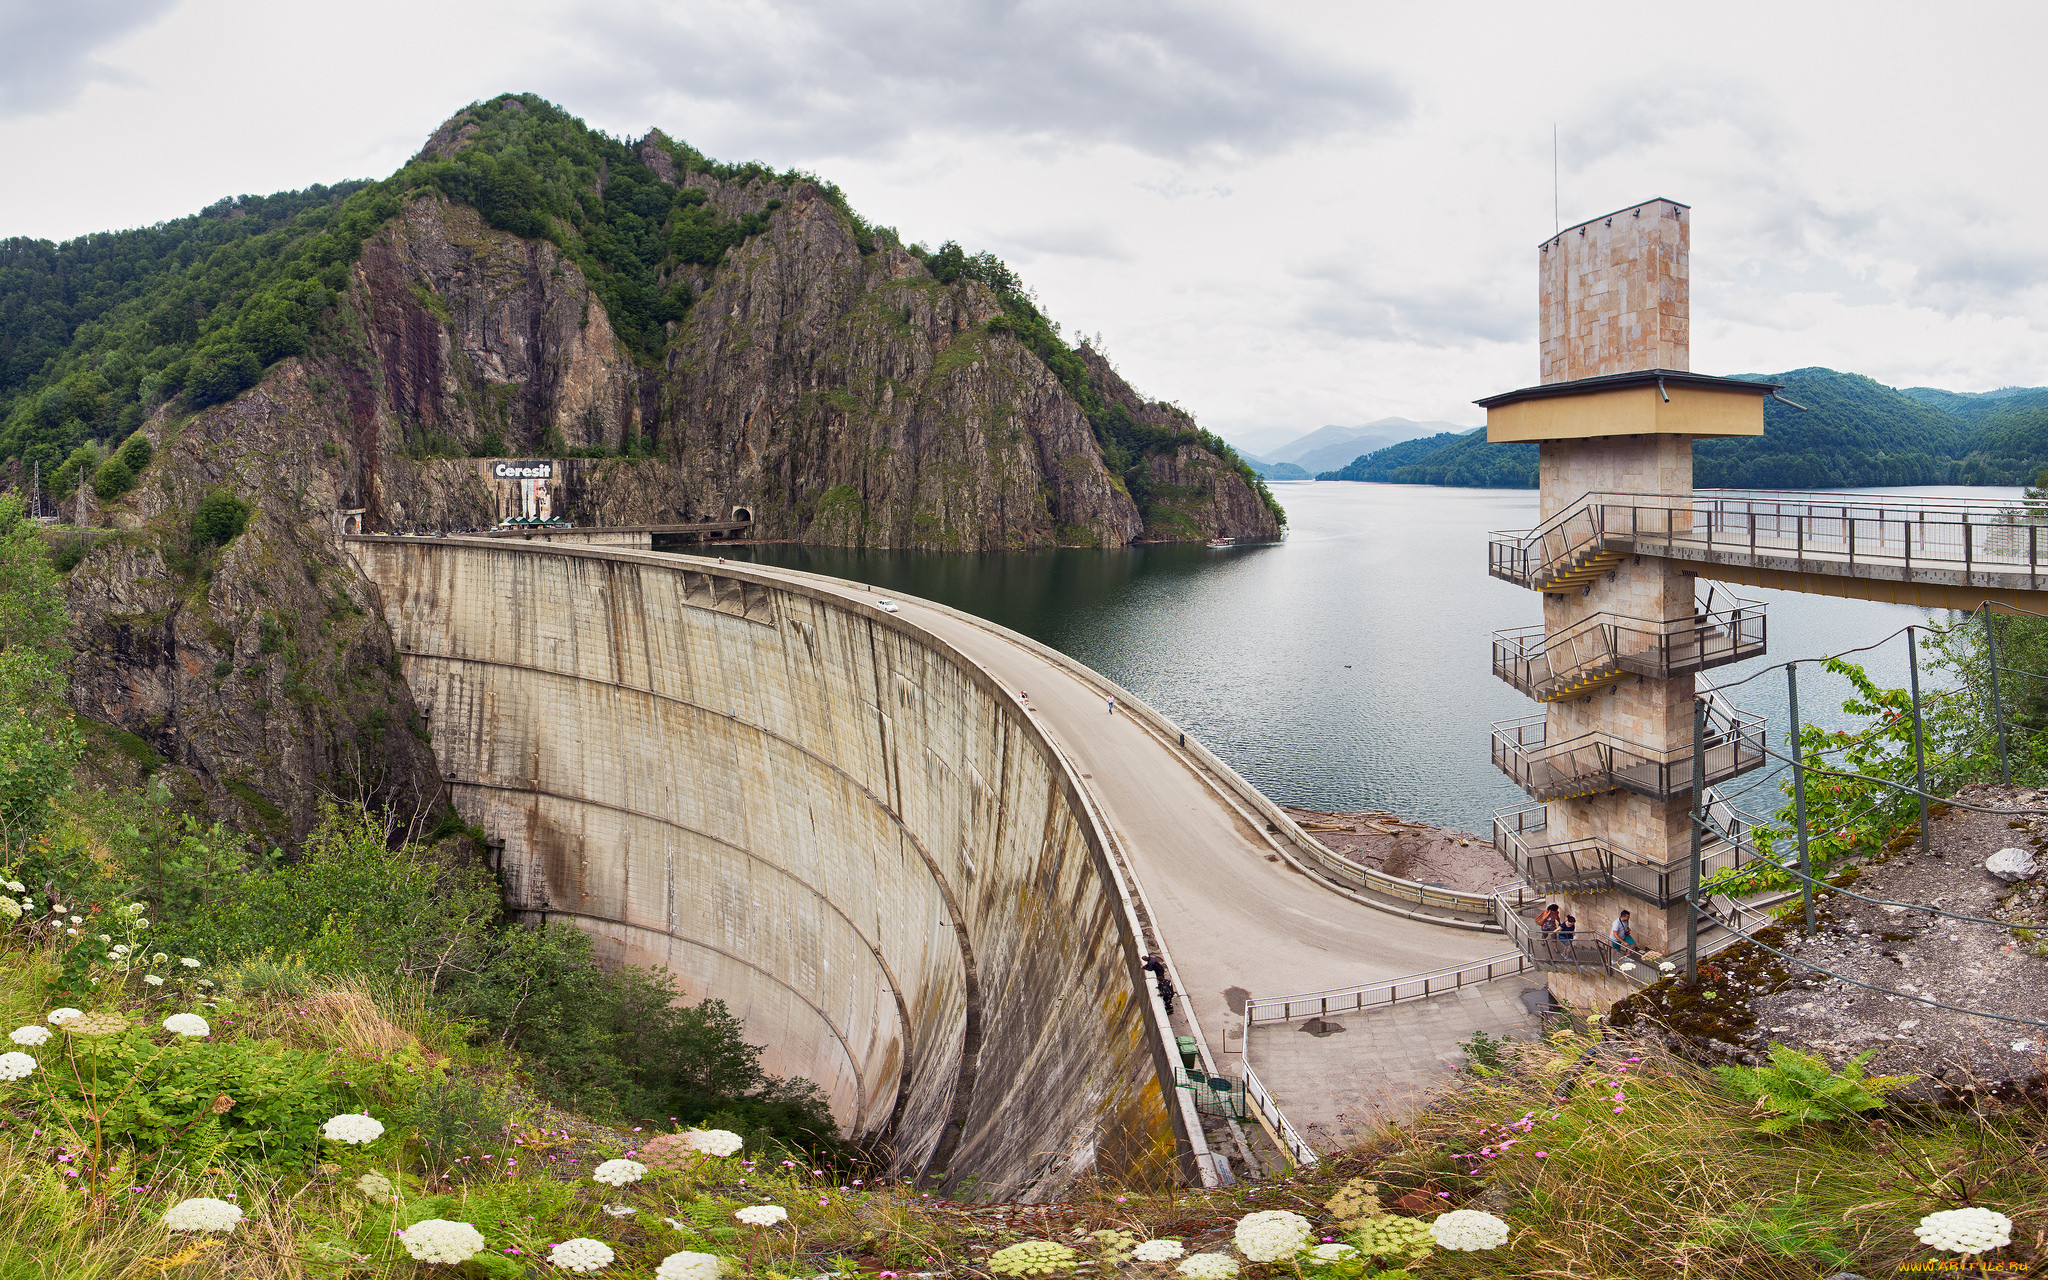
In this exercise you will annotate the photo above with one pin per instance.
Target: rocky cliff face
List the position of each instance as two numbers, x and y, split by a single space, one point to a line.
259 676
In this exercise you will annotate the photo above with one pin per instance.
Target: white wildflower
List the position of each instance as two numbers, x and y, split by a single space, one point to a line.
15 886
9 909
688 1266
353 1128
1468 1229
152 980
713 1142
374 1185
78 919
30 1035
1627 966
1208 1266
582 1254
1332 1252
142 924
202 1214
16 1066
188 962
158 958
439 1240
190 1024
1665 966
120 949
1965 1230
1158 1251
762 1215
1272 1234
617 1173
105 938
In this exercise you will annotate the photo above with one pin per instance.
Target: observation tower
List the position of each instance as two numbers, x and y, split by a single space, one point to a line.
1615 667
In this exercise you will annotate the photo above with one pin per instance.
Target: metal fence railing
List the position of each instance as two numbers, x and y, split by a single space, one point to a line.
1316 1004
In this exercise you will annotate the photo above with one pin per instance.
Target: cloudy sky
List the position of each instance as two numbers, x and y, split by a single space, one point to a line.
1280 216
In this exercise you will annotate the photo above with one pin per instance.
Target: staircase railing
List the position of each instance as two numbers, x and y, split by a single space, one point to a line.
1598 761
1593 864
1724 629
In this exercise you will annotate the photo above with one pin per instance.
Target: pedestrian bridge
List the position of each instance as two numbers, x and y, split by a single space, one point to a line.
1933 552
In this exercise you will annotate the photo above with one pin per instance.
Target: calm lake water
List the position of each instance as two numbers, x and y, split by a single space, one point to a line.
1348 666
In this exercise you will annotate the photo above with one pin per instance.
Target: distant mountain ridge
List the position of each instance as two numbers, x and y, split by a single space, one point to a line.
1854 432
1334 446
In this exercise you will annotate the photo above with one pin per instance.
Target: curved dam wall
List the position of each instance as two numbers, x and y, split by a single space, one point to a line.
817 813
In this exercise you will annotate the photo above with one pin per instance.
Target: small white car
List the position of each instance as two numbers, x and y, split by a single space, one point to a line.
887 606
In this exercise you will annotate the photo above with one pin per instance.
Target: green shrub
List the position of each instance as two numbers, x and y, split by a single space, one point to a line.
220 519
112 480
166 1097
137 453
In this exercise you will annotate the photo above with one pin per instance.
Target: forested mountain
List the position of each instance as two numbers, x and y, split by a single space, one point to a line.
1460 459
1853 432
103 334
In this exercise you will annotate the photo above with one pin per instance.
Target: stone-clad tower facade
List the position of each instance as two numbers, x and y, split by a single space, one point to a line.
1623 636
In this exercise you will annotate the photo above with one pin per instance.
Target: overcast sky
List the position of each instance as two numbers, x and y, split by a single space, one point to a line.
1280 216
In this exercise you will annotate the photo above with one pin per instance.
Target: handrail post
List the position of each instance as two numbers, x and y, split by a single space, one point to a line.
1967 549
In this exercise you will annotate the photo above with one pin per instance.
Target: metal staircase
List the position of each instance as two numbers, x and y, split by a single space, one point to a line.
1597 762
1604 648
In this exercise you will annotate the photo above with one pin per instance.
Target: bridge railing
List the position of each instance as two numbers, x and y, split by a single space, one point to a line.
1859 534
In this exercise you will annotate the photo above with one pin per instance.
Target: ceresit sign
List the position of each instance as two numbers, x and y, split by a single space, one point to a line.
523 470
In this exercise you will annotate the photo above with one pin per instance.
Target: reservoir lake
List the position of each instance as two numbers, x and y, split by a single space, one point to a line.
1348 666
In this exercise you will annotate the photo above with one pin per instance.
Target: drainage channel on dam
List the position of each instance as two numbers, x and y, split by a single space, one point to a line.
789 795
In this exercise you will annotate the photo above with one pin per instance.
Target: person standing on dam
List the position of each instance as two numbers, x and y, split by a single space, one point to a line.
1112 704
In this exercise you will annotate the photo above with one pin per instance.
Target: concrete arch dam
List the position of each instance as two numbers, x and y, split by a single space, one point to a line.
823 814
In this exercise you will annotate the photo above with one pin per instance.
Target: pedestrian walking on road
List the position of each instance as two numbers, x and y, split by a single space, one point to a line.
1024 698
1156 966
1112 704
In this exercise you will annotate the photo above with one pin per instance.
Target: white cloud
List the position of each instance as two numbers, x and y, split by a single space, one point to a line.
1278 215
48 50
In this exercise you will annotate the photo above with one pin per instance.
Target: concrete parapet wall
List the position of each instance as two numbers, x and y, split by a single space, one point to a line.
817 813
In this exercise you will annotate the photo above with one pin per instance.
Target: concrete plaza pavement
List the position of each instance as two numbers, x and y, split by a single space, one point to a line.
1235 918
1338 1077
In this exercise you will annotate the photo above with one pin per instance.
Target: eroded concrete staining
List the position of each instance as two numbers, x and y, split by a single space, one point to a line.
819 813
